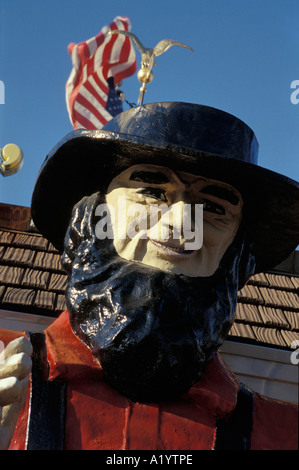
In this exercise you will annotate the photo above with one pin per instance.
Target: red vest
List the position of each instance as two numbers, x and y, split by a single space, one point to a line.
100 418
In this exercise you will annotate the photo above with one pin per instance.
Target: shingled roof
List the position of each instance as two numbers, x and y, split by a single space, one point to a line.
32 280
268 309
31 276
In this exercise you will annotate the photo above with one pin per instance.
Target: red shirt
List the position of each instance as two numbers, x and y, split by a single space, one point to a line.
100 418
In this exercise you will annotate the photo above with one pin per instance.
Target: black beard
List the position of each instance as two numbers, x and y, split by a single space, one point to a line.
152 332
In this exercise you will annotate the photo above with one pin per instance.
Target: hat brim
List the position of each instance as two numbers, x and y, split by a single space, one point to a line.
85 162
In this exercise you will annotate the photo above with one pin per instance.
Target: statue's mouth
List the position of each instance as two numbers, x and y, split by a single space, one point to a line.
171 249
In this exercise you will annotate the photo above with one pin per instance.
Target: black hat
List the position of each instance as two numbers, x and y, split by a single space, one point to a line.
183 136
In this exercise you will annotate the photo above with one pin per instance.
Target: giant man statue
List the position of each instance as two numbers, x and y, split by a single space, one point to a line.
133 362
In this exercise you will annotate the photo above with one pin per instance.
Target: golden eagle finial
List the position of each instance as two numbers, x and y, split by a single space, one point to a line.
148 55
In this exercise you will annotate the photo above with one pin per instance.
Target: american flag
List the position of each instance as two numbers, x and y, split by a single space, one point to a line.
98 64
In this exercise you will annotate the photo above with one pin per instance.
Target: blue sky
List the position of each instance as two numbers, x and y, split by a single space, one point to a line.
246 57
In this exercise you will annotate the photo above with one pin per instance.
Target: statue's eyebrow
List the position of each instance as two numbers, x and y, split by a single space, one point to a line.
222 193
152 177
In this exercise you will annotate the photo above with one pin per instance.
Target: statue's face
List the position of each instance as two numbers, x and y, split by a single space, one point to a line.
214 209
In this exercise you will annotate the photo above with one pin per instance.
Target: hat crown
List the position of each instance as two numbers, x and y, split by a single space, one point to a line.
197 127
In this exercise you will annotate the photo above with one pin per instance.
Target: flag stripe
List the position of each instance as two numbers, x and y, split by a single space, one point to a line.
88 116
83 101
94 62
81 121
100 82
95 91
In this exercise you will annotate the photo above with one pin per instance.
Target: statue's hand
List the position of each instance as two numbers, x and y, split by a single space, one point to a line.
15 367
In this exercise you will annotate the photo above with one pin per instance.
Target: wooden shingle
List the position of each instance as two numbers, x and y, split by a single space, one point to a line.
58 282
60 303
45 300
30 241
6 237
18 256
251 294
36 278
11 275
17 297
48 261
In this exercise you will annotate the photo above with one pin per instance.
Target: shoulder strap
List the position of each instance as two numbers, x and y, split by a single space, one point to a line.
46 419
234 433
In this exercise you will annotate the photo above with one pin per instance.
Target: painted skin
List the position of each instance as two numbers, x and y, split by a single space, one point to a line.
150 185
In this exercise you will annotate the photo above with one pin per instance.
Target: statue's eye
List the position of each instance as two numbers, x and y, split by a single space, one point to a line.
213 207
155 193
